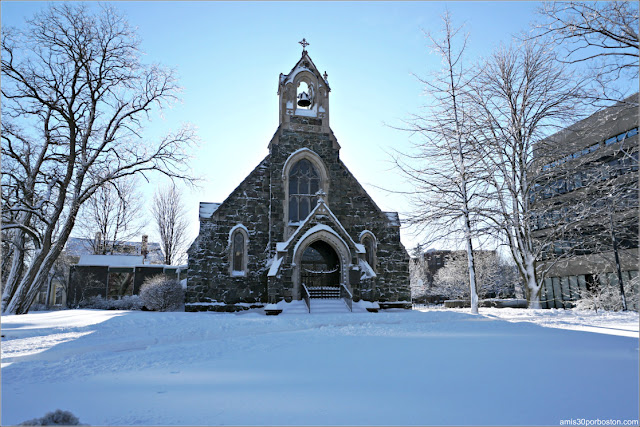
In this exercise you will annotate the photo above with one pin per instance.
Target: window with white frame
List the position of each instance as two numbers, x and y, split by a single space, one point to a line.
238 242
368 240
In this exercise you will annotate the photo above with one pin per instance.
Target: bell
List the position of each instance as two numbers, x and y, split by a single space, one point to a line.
303 100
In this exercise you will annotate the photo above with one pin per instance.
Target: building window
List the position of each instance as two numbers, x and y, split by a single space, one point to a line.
238 242
368 245
238 252
368 240
304 183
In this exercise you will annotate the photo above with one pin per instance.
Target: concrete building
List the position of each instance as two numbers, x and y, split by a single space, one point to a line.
585 203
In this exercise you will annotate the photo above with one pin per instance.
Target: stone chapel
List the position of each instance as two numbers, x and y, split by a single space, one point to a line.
300 225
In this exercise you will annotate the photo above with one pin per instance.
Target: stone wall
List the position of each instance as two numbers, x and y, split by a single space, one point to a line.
258 204
209 276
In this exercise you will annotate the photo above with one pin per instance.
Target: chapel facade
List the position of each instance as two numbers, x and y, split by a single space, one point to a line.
299 221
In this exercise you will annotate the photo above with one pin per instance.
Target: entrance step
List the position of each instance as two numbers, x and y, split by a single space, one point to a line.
324 306
329 292
318 306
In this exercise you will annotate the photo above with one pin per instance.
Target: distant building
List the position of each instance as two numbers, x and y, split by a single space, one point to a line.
54 294
587 195
113 276
151 251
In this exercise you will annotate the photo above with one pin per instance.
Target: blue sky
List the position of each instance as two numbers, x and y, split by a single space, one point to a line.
229 55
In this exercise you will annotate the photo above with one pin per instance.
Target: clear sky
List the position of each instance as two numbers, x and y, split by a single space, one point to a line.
229 55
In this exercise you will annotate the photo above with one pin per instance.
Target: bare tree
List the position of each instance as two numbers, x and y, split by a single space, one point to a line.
169 213
418 273
495 276
601 34
442 170
74 96
112 215
522 95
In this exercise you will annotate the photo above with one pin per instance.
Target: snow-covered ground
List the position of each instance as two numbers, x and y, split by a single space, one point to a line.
395 367
624 324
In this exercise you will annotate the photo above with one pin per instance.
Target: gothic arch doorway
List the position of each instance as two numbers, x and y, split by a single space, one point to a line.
320 265
327 252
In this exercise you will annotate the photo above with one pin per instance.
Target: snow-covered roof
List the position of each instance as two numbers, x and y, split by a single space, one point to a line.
367 271
78 246
207 209
275 266
300 67
111 260
393 218
283 246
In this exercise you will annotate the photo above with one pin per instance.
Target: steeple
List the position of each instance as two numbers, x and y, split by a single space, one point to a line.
304 93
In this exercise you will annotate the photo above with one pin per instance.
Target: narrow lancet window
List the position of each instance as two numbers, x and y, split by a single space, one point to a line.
238 252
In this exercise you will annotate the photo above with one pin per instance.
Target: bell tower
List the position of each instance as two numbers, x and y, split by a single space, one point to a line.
304 94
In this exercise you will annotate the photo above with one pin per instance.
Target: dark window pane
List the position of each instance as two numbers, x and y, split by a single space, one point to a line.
238 252
304 185
295 169
304 166
304 207
314 186
293 209
303 181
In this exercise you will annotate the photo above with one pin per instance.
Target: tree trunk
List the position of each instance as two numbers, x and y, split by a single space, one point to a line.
532 284
17 266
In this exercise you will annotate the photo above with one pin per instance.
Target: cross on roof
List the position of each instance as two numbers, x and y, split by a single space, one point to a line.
304 44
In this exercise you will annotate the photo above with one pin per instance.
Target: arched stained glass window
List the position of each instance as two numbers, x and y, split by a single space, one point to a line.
304 183
238 252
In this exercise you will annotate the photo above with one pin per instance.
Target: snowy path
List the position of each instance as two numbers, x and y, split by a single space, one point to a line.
394 367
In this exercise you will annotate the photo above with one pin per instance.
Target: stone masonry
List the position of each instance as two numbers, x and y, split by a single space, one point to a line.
259 206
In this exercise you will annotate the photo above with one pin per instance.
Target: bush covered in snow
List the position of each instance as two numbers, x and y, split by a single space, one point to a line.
57 418
129 302
162 294
607 298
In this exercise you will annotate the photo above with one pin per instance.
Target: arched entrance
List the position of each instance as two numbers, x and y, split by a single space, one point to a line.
320 265
322 258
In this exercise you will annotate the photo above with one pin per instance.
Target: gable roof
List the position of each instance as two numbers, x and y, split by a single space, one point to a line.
320 209
284 78
208 209
393 218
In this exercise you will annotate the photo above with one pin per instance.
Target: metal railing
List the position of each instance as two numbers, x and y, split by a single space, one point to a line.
306 296
346 295
324 292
